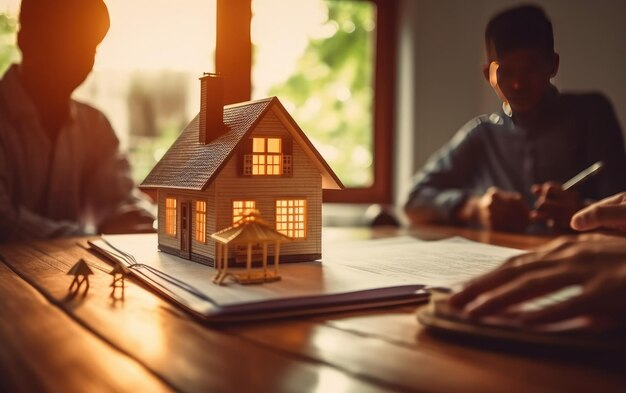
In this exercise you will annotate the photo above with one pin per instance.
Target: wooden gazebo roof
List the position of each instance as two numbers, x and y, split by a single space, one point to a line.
250 229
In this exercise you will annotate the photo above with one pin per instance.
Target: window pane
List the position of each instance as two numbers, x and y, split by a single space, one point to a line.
273 145
319 62
289 223
242 207
258 145
201 221
170 216
145 78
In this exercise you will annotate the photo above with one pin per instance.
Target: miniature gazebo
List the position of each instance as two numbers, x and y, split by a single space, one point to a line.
250 230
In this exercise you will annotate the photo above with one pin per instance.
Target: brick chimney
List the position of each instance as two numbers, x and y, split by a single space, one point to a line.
211 124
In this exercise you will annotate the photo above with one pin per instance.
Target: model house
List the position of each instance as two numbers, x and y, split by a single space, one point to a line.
233 159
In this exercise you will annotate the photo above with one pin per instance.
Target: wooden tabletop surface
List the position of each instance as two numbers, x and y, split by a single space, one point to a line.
52 342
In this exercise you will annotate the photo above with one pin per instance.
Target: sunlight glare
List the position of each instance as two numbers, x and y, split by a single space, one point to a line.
154 344
329 152
331 380
343 93
159 34
280 32
10 7
154 35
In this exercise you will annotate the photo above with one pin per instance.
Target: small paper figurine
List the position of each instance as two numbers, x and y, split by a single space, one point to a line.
81 272
253 235
119 272
233 158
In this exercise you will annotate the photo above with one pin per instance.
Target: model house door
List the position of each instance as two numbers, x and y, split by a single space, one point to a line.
185 230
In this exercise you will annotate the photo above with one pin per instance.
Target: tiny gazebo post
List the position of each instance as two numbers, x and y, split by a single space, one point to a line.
225 253
264 259
250 230
218 261
249 260
276 257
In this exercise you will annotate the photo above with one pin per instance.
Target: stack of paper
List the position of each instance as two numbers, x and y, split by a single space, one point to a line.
352 275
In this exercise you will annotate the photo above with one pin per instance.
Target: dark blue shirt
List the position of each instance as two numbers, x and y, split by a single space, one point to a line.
568 134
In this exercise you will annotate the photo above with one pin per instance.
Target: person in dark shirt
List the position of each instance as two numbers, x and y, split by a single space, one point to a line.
503 170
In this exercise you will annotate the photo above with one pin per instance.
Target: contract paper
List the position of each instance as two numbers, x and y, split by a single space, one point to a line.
350 275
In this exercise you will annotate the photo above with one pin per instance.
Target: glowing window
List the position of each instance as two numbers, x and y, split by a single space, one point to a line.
170 216
267 158
201 221
291 217
273 145
242 207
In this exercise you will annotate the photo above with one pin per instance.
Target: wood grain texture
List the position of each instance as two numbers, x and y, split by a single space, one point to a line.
365 351
44 350
411 359
188 356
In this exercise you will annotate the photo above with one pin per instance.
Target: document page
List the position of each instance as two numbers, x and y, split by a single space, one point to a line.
435 263
350 272
304 284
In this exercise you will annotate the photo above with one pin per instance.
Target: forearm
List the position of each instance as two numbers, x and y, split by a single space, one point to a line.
468 211
133 216
18 222
446 180
432 205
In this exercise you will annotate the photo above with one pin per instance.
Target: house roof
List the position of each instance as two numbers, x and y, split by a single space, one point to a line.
191 165
250 229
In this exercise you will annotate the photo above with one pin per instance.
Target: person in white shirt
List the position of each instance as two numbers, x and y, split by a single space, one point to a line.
61 172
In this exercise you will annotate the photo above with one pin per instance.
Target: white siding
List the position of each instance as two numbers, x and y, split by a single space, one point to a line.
306 183
207 249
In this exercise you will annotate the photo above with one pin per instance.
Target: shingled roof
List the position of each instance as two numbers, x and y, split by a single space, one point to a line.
191 165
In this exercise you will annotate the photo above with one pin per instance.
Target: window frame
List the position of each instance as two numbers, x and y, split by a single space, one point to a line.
305 214
233 31
200 214
167 219
266 156
243 208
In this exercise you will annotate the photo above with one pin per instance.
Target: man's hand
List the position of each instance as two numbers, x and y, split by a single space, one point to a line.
608 213
555 205
496 210
595 262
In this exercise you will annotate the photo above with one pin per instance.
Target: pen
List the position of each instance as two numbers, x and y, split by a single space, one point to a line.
582 176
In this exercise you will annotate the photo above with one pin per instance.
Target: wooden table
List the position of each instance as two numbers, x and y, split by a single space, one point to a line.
50 342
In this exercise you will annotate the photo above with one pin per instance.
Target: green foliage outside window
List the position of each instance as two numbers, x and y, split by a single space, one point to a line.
332 91
8 48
